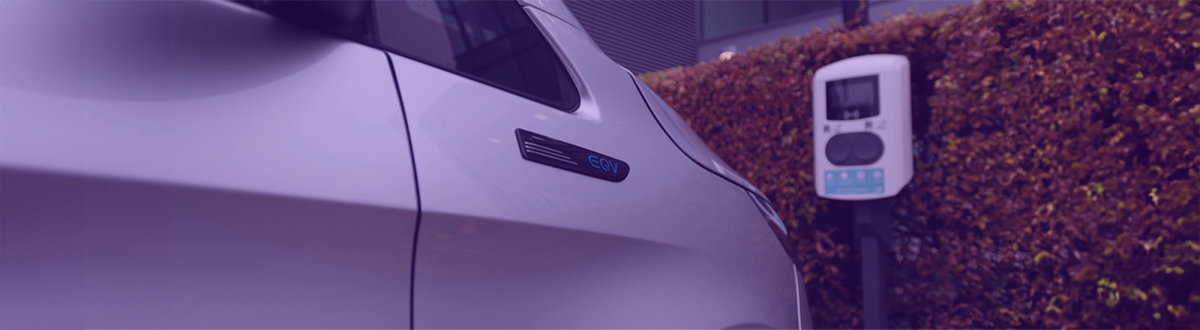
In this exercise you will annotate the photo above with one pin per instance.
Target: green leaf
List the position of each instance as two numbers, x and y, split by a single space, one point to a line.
1105 283
1113 299
1138 294
1041 255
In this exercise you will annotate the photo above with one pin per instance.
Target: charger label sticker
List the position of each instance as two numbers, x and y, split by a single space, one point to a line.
860 181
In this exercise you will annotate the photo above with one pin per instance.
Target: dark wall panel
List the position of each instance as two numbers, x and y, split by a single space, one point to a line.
641 35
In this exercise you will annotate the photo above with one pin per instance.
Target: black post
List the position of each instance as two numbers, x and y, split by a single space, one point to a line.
854 13
873 228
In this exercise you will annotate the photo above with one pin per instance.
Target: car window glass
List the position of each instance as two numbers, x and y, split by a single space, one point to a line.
490 41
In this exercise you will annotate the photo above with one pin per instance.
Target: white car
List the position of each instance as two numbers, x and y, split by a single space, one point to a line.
360 164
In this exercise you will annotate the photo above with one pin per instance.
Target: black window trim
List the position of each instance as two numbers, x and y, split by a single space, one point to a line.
574 88
372 40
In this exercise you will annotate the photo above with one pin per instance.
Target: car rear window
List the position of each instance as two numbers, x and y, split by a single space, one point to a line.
490 41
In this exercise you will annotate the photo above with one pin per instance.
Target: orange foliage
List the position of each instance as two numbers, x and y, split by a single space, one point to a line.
1057 151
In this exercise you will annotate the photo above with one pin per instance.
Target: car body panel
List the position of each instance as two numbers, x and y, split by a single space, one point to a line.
276 109
197 164
86 252
509 243
690 143
201 164
557 9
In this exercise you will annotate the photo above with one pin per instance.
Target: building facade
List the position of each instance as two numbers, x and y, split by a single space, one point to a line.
651 35
643 36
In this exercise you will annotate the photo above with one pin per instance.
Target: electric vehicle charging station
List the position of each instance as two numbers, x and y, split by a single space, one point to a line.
862 117
862 112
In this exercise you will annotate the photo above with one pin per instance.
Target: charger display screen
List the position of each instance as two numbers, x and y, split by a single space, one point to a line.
852 98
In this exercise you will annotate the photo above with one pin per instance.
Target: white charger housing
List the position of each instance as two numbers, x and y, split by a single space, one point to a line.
862 127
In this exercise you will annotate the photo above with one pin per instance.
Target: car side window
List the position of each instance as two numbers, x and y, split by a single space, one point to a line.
494 42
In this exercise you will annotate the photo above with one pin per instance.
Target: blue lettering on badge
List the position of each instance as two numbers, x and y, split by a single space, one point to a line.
602 164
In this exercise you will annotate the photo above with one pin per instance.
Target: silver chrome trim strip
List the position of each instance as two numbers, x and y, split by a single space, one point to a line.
551 156
531 144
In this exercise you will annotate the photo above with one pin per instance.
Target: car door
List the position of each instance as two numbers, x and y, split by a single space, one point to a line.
197 165
508 239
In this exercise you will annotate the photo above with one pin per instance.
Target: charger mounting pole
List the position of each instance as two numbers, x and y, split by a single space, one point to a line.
873 231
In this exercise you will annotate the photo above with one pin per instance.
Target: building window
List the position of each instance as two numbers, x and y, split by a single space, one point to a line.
724 17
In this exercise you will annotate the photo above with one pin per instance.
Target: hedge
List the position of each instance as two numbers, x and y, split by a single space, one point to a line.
1057 152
